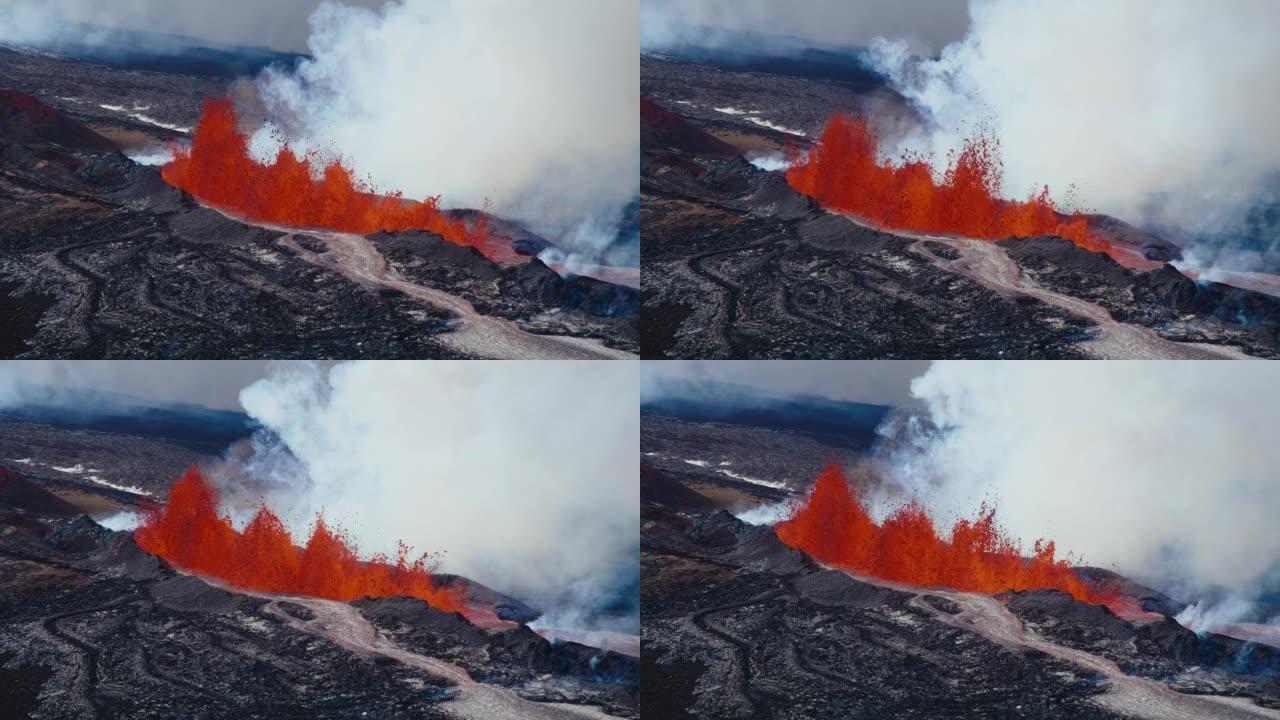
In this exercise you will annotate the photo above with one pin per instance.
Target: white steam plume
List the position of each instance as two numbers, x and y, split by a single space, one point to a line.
1157 112
524 474
1165 471
532 106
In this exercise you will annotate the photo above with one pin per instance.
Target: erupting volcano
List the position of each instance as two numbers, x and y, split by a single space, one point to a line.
299 191
844 172
191 534
834 527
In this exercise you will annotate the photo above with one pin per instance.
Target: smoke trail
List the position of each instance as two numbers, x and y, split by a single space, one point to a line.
1159 113
1165 471
531 106
523 474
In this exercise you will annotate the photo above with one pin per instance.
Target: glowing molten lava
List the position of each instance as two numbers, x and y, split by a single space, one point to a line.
835 528
190 533
843 172
299 192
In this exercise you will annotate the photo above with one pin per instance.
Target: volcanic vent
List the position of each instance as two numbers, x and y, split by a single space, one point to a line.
191 534
834 526
844 172
301 191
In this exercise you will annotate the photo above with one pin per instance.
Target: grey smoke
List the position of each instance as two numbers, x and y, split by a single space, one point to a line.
213 384
279 24
523 474
1164 471
926 24
875 381
1157 113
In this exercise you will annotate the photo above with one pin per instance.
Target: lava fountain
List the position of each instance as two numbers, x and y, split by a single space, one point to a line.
301 191
833 526
191 534
844 172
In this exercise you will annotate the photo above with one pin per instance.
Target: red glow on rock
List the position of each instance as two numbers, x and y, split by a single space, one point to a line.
834 527
843 172
191 534
299 191
26 104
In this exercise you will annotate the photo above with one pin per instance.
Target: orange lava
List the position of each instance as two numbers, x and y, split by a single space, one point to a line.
299 192
843 172
191 534
835 528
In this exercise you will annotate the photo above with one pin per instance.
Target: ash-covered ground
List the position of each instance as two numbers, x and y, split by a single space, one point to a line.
738 625
102 259
738 265
93 627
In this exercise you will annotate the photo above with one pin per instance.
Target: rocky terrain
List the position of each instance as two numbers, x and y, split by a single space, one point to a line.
738 625
93 627
725 460
738 265
102 466
103 259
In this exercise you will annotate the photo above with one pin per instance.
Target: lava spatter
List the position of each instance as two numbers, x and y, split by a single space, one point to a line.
190 533
299 191
834 527
843 171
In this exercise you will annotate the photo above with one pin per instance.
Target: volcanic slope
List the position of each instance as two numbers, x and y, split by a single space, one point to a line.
738 625
103 259
737 264
93 627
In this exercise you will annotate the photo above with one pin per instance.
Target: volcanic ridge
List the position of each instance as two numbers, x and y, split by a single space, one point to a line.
772 229
769 595
136 225
94 625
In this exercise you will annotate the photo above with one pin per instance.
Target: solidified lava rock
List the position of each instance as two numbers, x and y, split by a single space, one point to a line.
734 629
20 493
659 127
89 627
514 657
25 119
504 606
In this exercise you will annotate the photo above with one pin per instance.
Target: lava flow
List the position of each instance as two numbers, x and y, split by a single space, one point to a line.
843 172
834 527
299 192
190 533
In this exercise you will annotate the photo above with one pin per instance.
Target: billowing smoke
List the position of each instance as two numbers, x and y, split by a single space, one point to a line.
529 106
1163 471
1158 113
523 474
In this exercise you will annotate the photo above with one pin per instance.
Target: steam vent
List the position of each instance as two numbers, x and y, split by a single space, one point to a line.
783 292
